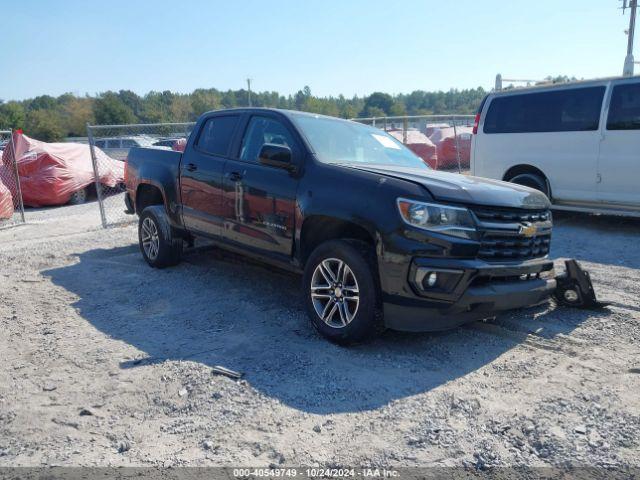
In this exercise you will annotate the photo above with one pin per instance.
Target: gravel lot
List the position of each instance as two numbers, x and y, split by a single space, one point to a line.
105 361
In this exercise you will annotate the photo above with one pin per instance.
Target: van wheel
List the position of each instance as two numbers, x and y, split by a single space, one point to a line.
342 294
159 247
531 180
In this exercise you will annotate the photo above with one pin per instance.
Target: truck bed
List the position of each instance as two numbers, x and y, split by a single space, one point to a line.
152 158
157 168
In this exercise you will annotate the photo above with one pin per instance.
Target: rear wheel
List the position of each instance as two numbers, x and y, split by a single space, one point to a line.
341 290
159 247
531 180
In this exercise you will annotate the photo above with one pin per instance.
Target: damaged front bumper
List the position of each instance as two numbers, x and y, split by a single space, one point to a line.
461 292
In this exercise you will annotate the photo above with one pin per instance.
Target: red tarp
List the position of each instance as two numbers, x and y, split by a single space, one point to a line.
6 200
445 141
51 172
419 144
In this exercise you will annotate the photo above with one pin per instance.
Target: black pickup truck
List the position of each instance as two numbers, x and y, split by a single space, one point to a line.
381 240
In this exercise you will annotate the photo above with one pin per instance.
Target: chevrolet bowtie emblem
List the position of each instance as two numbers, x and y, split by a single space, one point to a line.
527 229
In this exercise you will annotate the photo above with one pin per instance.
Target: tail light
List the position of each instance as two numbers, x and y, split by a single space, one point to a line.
476 122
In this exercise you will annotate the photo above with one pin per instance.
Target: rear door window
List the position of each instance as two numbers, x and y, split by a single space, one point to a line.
216 135
624 110
566 110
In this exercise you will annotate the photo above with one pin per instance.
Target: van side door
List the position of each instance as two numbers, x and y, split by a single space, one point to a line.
201 171
619 161
555 130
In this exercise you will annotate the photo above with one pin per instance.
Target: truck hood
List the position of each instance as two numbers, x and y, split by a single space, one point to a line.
453 187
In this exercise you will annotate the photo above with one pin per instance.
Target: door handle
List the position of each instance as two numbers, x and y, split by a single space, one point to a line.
235 176
192 167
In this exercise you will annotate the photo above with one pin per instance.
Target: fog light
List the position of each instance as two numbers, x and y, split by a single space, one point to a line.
429 280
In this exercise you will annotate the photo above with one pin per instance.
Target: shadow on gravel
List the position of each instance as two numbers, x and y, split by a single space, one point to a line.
217 309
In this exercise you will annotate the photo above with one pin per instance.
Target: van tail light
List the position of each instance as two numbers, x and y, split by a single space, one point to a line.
476 122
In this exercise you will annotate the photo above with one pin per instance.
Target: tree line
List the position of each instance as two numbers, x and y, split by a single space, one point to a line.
52 119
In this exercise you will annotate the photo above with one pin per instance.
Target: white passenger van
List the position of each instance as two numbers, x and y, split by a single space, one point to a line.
577 142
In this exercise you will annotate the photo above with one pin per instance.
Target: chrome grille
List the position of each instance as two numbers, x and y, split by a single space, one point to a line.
513 215
502 236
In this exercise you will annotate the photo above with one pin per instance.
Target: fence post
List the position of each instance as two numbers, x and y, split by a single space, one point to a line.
97 176
17 174
455 136
405 127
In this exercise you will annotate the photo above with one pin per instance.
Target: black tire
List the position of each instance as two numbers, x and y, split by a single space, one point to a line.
79 197
366 319
531 180
168 250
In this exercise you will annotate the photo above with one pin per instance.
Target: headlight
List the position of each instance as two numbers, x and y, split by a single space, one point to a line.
455 221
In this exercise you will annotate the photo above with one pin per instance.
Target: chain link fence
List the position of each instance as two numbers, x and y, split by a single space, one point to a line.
110 145
11 206
442 141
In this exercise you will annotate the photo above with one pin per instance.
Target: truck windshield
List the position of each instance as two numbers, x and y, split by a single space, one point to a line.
344 142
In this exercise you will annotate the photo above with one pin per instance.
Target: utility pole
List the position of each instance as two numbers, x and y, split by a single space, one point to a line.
249 88
629 61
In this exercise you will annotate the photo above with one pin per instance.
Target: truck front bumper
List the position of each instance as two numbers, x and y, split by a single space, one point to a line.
466 291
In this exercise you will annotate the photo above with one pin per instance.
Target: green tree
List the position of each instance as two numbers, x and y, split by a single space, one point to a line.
374 112
44 125
131 100
378 102
75 113
181 109
109 109
301 98
12 115
204 100
43 102
69 113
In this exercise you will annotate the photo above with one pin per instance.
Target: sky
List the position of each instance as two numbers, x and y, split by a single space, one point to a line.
334 46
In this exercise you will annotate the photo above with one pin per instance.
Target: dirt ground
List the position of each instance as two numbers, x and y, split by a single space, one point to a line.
105 361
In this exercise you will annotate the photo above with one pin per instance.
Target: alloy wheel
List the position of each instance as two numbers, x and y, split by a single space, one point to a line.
334 292
150 238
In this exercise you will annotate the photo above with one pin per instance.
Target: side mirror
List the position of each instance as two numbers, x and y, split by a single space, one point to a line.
278 156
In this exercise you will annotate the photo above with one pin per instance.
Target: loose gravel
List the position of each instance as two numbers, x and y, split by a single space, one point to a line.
105 361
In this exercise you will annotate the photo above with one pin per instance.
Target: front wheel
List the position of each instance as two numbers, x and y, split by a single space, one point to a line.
342 294
531 180
79 197
159 247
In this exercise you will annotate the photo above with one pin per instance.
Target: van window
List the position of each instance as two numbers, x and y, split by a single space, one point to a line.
126 143
624 111
216 135
566 110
